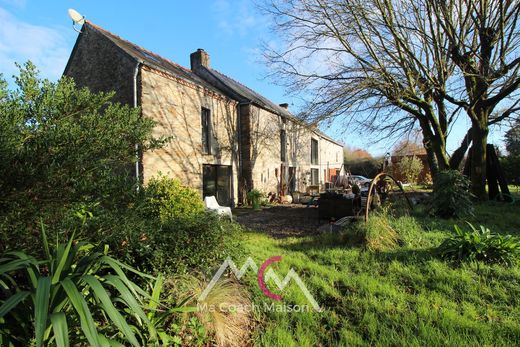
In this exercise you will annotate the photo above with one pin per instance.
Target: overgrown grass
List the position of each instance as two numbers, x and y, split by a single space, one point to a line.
399 295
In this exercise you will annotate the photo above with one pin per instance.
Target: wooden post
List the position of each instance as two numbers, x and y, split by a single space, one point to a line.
492 154
491 174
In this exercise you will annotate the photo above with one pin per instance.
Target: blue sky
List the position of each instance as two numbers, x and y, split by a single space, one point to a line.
229 30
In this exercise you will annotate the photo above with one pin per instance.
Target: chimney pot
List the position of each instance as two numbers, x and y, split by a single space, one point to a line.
198 59
284 105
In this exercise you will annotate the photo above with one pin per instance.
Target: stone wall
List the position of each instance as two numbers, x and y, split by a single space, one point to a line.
264 156
176 107
101 66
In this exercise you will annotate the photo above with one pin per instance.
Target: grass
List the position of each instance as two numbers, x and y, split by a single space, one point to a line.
398 295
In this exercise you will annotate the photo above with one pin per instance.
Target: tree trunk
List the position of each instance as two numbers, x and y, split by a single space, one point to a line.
432 160
478 160
458 156
435 149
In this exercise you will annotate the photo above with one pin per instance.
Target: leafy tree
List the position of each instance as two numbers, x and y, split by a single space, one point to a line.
352 154
512 138
62 146
511 167
63 143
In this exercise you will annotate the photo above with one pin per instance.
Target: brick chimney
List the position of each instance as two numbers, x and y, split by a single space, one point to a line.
198 59
284 105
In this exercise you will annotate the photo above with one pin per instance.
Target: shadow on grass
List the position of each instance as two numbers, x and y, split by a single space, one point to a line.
330 241
325 241
406 256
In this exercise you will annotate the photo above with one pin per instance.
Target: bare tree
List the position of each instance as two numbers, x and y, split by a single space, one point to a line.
484 43
387 65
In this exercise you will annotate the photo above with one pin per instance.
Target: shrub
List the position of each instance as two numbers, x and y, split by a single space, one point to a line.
74 293
368 167
408 169
254 197
427 179
196 243
189 243
168 199
480 245
451 196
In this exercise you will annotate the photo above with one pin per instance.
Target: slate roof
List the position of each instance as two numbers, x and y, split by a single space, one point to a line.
249 94
151 59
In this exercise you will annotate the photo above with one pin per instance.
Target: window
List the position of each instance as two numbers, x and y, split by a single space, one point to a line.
314 177
206 130
283 145
314 152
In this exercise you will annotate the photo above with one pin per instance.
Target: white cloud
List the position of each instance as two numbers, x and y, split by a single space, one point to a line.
235 17
15 3
48 48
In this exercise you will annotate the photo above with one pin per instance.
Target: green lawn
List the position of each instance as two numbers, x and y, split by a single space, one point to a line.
401 297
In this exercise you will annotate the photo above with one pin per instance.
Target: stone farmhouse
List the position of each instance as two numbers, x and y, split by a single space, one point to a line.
226 138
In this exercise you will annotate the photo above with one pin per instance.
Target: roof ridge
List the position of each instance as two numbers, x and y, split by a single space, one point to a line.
139 47
238 82
257 93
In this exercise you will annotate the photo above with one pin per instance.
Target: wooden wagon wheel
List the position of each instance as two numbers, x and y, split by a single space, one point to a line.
376 179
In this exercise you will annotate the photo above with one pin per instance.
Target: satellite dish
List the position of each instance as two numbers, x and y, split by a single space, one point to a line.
77 18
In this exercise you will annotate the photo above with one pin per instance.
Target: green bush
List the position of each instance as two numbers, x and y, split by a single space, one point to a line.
451 196
255 197
177 245
167 199
73 294
60 147
480 245
511 167
408 169
192 244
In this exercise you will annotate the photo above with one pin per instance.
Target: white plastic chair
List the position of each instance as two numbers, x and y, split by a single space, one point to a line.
211 204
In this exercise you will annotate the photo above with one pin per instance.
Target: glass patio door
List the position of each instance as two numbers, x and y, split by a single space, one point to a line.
216 181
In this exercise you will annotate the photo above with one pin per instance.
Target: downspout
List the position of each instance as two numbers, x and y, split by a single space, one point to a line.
137 174
240 151
239 169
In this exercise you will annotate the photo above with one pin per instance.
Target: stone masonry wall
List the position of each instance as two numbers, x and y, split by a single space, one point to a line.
265 157
101 66
176 107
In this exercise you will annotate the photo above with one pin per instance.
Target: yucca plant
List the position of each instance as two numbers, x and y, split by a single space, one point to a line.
74 294
161 311
480 245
